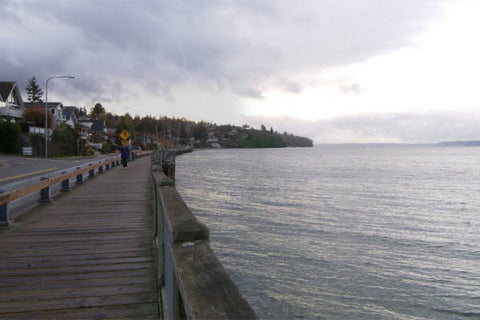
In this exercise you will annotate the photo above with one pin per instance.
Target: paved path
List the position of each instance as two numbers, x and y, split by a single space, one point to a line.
85 255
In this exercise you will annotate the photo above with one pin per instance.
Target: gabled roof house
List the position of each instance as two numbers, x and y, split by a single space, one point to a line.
11 102
71 116
98 126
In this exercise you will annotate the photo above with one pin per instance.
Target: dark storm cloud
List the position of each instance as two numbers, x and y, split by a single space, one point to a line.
239 46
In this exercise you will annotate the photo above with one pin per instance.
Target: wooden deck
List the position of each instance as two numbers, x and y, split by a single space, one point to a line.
85 255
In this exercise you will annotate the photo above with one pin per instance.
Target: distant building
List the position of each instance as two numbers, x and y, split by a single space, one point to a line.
11 102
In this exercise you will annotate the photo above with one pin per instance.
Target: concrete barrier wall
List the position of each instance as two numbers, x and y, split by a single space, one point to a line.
194 283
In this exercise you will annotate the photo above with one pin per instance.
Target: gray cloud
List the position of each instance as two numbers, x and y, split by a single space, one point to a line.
235 45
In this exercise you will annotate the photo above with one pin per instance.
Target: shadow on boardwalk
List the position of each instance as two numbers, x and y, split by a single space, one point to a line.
85 255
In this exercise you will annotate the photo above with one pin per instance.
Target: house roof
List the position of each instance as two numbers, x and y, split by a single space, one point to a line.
69 114
50 104
98 125
6 89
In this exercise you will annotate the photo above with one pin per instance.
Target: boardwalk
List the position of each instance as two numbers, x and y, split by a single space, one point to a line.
86 255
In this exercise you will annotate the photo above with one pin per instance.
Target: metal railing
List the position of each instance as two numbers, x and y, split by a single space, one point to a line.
192 281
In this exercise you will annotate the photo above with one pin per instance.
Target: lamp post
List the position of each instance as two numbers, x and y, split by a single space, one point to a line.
46 110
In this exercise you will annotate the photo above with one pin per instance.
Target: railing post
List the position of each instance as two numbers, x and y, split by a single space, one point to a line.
45 193
91 173
171 286
79 177
4 216
100 169
107 166
66 184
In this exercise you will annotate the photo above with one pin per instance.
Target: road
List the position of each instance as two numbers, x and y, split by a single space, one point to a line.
16 168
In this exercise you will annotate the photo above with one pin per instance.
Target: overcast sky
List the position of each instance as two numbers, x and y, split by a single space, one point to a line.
333 70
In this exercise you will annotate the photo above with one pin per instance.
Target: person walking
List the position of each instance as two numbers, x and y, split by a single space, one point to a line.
124 153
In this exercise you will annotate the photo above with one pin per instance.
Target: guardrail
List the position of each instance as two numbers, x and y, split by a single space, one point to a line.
40 189
192 281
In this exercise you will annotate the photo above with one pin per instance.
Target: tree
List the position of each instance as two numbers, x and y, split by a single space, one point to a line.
35 116
10 141
262 127
34 92
125 123
66 139
183 132
82 112
200 131
97 110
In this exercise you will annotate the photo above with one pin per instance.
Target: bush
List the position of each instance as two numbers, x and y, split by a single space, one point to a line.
108 147
10 141
66 139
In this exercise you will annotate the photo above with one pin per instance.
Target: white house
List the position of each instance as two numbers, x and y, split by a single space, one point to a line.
11 103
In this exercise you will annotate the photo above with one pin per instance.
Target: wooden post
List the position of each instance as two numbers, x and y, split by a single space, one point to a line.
79 177
91 173
66 185
100 169
4 217
45 193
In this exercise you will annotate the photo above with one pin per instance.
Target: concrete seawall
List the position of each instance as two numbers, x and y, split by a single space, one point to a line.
193 282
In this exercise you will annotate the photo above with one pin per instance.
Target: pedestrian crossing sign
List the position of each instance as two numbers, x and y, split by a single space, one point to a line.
124 135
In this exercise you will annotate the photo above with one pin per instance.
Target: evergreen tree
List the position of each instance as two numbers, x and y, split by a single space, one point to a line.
97 110
34 92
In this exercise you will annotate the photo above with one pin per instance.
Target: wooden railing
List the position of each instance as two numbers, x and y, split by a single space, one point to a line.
192 281
43 185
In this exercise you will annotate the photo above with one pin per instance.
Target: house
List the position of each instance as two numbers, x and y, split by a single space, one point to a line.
71 116
11 102
91 127
85 124
55 109
98 126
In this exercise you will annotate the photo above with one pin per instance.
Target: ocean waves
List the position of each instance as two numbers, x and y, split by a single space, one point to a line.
339 232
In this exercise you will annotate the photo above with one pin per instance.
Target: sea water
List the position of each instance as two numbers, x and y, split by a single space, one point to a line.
343 231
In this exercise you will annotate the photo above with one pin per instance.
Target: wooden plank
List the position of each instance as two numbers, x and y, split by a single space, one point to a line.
86 255
76 292
77 302
75 277
136 311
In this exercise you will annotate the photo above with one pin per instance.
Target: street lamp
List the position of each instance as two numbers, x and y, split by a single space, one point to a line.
46 109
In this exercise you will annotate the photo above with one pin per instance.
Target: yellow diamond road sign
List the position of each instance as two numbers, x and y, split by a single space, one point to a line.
124 135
